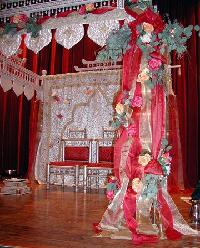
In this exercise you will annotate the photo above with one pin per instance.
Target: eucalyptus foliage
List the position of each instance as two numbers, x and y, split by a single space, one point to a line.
116 45
175 36
141 4
150 188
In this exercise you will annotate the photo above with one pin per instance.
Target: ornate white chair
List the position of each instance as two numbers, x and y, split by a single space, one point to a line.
97 173
76 154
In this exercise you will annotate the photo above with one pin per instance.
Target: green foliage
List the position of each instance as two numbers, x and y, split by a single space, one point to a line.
116 45
10 28
164 143
149 84
175 36
141 4
197 28
120 120
150 188
116 123
164 158
33 28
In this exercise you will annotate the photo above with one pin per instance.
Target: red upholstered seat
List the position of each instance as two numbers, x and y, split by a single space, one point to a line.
74 160
76 153
106 153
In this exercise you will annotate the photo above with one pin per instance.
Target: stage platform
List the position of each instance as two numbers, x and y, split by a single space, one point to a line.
55 218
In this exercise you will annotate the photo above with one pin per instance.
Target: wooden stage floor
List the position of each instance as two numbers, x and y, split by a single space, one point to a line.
56 219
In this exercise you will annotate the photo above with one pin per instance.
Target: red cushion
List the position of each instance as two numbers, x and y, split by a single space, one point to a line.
76 153
106 153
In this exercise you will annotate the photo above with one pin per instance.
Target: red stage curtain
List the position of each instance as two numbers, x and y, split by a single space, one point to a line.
186 86
14 124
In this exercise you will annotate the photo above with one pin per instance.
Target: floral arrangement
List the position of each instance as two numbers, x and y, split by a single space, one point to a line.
123 111
164 158
87 8
112 187
126 103
154 41
20 22
155 170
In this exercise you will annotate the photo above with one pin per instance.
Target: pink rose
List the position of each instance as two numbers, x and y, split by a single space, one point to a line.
82 10
137 101
154 64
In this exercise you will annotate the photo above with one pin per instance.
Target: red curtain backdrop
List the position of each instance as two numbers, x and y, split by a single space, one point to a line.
186 86
18 117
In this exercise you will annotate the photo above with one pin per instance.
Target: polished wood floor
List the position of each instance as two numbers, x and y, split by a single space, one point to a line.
53 219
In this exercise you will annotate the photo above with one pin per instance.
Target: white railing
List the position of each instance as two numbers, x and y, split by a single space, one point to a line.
12 68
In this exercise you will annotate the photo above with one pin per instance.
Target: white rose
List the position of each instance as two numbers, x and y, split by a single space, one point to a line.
136 185
144 159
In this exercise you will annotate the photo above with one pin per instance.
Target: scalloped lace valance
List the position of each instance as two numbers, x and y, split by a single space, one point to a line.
69 31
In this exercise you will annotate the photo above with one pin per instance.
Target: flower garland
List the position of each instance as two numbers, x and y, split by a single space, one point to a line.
86 8
154 41
21 22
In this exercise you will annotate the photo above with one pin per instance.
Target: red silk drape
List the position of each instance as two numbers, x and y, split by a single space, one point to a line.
186 88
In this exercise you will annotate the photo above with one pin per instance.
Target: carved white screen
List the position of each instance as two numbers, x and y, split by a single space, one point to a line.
75 101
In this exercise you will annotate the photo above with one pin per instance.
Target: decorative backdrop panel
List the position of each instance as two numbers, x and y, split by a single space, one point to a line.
75 101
